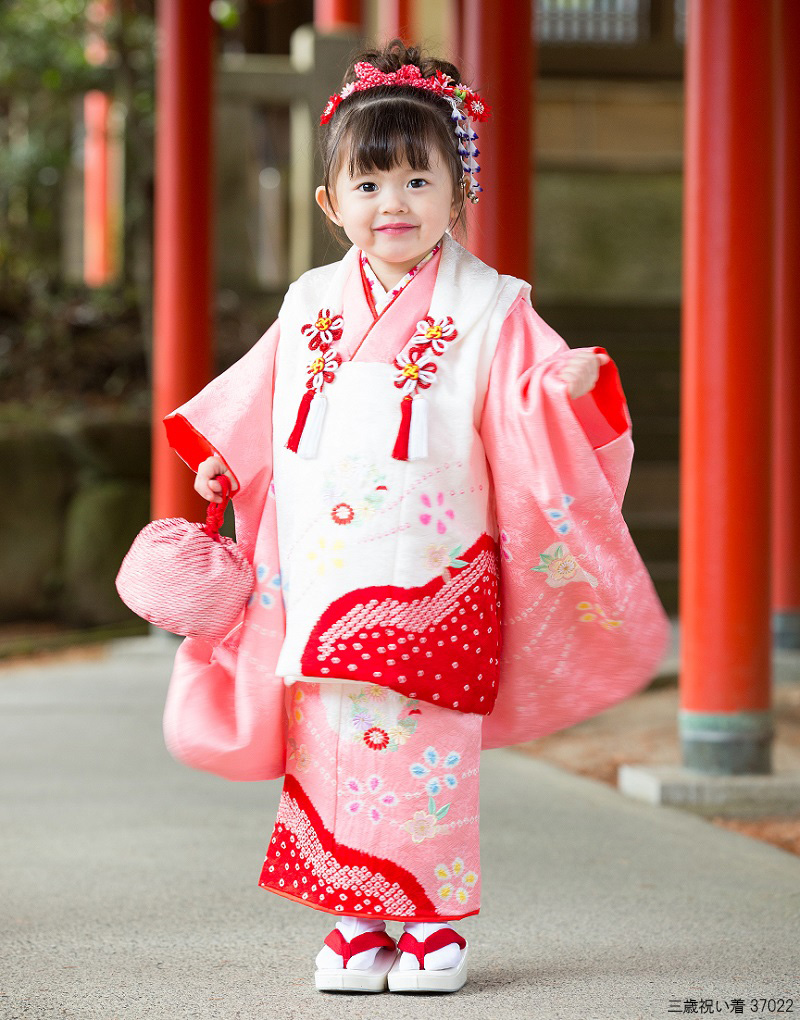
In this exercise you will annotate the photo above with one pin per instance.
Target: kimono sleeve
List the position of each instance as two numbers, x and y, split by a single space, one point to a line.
581 625
231 416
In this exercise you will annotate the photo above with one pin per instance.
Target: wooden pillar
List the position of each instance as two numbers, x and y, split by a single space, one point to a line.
499 62
395 20
725 718
97 244
182 358
335 15
786 503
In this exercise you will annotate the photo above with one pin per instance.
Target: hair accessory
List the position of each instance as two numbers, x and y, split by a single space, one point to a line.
466 106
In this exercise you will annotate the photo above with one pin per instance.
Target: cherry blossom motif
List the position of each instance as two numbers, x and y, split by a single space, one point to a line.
324 331
323 368
436 334
441 516
371 797
504 545
411 372
560 567
300 755
421 827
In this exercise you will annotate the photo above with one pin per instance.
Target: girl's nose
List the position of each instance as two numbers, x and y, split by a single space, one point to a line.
394 200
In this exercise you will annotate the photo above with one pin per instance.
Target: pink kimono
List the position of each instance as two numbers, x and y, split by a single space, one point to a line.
441 564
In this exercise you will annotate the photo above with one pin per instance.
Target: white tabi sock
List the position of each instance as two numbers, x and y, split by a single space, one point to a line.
327 959
440 959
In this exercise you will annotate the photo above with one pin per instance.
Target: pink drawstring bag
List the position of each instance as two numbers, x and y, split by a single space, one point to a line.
185 577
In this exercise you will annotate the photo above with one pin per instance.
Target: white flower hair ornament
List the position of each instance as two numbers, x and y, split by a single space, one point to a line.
466 107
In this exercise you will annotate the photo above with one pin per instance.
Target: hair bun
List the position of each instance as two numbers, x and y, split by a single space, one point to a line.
395 54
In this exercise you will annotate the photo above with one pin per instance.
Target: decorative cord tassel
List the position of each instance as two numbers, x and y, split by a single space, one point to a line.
400 451
309 441
299 425
418 433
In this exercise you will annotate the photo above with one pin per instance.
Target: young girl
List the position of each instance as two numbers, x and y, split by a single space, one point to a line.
422 468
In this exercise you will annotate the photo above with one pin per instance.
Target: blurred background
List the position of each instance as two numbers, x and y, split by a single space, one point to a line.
77 118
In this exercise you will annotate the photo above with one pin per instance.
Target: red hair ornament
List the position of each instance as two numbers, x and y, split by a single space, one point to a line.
466 106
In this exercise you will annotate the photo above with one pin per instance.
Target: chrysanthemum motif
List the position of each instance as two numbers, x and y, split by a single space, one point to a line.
376 738
324 331
413 372
437 334
323 369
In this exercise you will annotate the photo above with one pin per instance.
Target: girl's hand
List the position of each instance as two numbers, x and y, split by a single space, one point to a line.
204 482
582 371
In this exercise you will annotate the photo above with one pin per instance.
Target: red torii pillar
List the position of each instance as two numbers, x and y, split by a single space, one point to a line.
786 503
725 719
182 330
499 62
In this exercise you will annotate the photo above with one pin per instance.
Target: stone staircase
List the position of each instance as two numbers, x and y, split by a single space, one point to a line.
645 344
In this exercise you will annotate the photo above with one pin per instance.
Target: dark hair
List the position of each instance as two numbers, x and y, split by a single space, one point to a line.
386 124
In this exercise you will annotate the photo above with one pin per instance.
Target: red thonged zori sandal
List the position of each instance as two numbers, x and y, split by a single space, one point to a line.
449 979
347 979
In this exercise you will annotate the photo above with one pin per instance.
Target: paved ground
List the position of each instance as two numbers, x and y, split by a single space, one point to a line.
128 884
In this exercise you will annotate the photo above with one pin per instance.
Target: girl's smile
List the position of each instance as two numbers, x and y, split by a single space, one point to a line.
394 216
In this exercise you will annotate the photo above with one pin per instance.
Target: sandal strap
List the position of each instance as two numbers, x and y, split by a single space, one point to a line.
437 940
360 944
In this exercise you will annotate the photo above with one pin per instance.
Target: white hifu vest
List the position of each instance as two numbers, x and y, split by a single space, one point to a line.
389 567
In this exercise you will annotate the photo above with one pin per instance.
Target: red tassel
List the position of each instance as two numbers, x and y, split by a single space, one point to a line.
400 451
300 424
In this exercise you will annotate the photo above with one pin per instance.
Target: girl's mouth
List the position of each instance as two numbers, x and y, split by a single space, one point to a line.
395 228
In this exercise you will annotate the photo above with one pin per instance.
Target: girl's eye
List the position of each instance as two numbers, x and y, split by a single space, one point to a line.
367 186
418 182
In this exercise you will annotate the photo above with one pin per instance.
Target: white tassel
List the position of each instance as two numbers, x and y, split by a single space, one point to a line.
418 432
309 441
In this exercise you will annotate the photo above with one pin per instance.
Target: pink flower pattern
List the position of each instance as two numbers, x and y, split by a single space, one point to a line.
440 514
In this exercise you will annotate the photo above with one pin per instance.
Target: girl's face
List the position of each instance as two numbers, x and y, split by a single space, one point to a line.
394 216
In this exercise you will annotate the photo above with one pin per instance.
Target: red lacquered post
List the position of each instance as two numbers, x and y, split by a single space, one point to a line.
786 502
334 15
395 20
182 360
499 62
725 718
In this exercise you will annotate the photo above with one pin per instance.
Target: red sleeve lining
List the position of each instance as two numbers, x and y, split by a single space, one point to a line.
190 445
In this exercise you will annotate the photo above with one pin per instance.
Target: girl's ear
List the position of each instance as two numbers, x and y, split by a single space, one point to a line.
325 205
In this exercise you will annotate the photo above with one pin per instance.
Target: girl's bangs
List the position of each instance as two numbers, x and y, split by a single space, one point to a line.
383 135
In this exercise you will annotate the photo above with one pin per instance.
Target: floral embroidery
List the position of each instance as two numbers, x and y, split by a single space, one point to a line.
356 489
504 545
441 515
328 555
296 711
461 883
379 718
371 789
593 613
436 784
300 755
437 334
342 513
326 330
376 738
559 517
412 373
423 825
439 558
267 598
560 567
